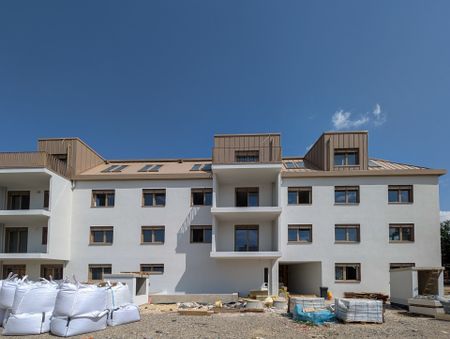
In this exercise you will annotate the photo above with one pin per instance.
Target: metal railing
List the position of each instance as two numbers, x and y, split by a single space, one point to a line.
33 160
247 155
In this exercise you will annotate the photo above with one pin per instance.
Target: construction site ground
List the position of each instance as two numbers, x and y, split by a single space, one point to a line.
163 321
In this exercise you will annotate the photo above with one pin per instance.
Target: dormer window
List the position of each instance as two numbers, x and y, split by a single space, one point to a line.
346 158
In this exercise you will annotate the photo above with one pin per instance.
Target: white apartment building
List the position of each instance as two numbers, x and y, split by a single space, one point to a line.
245 219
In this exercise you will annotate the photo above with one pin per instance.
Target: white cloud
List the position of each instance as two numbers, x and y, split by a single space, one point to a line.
445 215
343 120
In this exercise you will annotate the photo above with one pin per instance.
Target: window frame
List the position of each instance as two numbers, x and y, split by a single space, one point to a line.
398 189
247 228
153 229
103 229
203 191
152 272
53 267
247 191
401 227
200 227
346 227
106 192
102 266
21 194
254 155
346 152
7 236
299 227
44 235
347 189
345 265
153 192
297 190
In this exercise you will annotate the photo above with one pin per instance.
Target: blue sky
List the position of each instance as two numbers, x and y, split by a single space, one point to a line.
144 79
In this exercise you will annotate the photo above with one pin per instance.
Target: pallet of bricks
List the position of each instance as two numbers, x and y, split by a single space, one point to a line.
359 310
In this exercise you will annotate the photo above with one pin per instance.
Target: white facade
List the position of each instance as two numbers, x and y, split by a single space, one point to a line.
217 267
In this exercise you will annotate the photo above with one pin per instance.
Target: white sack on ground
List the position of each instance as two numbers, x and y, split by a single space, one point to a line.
73 300
118 295
124 315
27 323
8 291
66 326
38 297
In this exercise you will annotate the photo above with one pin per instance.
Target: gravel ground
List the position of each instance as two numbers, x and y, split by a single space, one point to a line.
164 323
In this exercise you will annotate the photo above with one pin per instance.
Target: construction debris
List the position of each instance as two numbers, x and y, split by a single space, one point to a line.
425 305
366 295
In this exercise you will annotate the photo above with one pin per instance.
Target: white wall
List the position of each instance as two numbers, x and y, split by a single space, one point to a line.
374 215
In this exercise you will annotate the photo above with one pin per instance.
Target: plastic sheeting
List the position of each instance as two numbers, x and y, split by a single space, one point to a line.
124 315
68 326
359 310
305 302
318 317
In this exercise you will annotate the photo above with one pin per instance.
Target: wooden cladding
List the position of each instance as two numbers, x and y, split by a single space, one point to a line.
257 148
322 154
33 160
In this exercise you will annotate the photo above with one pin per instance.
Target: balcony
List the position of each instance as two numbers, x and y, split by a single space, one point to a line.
29 160
246 214
24 217
247 155
245 255
24 242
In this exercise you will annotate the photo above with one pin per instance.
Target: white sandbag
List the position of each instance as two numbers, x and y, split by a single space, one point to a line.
2 315
73 300
118 295
27 323
124 315
8 291
38 297
66 326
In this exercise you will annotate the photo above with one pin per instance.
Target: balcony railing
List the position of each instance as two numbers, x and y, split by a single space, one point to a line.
33 160
247 155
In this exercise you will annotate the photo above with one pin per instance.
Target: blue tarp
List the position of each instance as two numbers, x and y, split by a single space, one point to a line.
317 318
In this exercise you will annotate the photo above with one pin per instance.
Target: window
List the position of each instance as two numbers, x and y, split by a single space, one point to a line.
346 158
247 197
400 265
346 195
53 271
152 234
16 240
150 168
346 233
44 235
20 270
152 268
114 169
247 156
46 199
401 233
201 234
300 233
19 200
101 235
201 196
294 164
153 198
103 198
246 238
348 272
299 195
97 271
400 194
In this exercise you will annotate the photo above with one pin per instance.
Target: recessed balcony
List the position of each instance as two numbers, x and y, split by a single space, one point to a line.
246 213
246 255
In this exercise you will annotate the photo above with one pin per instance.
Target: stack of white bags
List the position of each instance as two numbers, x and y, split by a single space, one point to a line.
63 308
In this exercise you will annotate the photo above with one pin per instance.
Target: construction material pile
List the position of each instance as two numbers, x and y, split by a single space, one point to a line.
366 295
310 310
63 308
445 304
359 310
